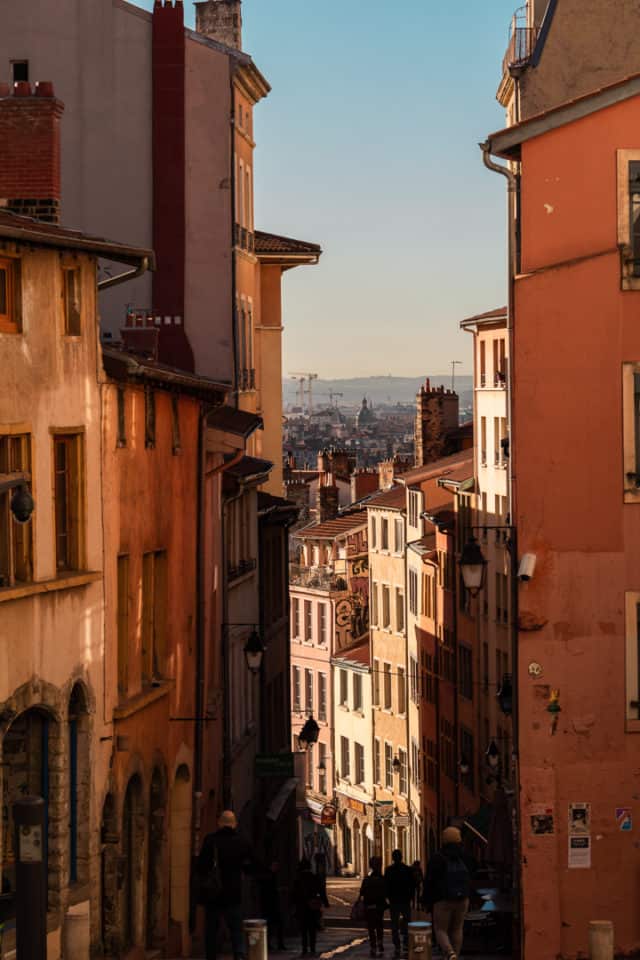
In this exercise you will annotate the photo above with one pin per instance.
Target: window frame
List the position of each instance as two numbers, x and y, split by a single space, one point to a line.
631 431
72 327
17 549
11 320
629 278
75 552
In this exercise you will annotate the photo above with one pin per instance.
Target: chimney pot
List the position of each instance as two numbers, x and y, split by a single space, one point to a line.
44 88
22 88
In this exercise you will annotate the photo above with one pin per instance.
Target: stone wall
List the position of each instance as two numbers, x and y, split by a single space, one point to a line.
220 20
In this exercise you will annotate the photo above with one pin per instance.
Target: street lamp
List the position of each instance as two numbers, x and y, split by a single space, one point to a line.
309 734
473 566
22 504
254 651
464 766
396 765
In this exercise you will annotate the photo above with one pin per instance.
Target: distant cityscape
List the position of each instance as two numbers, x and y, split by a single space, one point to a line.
372 418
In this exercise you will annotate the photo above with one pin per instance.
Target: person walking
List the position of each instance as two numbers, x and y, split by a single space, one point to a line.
309 902
399 883
418 880
224 857
373 894
447 888
270 897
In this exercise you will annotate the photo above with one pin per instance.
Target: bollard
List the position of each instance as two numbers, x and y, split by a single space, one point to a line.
31 879
419 941
601 940
255 933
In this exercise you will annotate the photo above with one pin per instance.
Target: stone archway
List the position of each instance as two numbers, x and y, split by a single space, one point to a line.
156 933
131 878
180 853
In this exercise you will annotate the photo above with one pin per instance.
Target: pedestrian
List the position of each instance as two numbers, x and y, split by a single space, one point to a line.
398 878
309 902
224 857
373 893
270 896
447 888
418 878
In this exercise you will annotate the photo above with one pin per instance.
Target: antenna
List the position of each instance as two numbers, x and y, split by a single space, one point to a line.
454 364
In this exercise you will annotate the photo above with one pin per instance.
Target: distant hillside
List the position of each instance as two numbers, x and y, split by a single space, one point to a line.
377 390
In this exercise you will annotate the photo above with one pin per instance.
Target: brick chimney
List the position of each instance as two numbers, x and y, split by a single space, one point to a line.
220 20
328 500
30 150
437 412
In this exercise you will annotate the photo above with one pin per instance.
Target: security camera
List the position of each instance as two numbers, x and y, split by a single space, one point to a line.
527 567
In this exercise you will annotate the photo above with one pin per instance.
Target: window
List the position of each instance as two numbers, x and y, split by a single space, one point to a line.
467 751
631 430
483 441
404 772
374 604
483 363
10 313
465 672
67 459
447 749
123 625
399 611
429 679
154 614
388 766
377 762
386 608
20 71
415 762
359 758
629 216
502 598
295 618
446 656
384 534
308 691
345 758
344 688
413 679
308 613
402 690
71 295
149 419
376 683
499 363
413 592
176 445
122 417
322 768
432 764
322 697
387 686
297 690
323 625
357 692
414 508
398 536
429 595
374 533
16 543
248 201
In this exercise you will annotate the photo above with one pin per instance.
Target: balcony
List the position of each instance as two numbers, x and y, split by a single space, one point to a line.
243 238
246 379
317 578
522 41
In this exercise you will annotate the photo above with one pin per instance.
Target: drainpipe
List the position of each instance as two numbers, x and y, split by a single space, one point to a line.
234 299
513 265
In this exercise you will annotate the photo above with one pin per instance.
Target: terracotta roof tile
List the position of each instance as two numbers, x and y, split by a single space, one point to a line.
393 499
271 243
360 655
330 529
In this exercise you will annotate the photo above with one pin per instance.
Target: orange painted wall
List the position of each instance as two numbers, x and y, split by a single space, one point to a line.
574 328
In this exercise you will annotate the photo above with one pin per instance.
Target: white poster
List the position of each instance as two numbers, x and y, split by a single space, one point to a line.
579 853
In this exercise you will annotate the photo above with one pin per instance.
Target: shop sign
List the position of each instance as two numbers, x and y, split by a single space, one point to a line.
356 805
328 815
384 809
402 821
274 765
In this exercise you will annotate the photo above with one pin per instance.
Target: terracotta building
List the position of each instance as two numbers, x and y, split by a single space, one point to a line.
575 281
55 722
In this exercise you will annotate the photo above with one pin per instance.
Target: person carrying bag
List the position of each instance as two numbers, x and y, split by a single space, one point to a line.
372 904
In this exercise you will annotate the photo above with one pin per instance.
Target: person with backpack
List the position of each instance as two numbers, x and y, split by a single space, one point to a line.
447 888
400 886
224 857
373 894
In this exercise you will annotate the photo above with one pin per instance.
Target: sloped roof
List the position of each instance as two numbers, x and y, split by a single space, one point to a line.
358 656
338 527
489 317
273 243
393 499
454 467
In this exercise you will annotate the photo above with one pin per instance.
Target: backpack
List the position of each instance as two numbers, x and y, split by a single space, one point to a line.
457 879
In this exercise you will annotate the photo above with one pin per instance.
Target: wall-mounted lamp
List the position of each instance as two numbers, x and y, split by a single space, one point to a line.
309 734
22 503
473 566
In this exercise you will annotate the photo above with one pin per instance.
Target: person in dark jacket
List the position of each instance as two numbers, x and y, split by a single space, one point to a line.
309 900
232 854
398 878
270 897
418 880
373 894
447 887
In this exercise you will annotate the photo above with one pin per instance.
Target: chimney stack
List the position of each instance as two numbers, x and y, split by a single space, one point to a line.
30 150
220 20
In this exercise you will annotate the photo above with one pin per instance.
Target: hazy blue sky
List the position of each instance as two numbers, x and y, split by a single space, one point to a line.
368 145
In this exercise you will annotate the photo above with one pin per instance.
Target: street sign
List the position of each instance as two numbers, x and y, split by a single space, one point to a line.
274 765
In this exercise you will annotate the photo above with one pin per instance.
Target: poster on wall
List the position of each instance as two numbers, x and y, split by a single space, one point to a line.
542 823
579 819
624 819
579 853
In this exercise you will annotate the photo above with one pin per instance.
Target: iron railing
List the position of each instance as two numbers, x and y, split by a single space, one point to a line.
317 578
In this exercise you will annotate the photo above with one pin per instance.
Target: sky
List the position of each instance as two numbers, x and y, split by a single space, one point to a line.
368 145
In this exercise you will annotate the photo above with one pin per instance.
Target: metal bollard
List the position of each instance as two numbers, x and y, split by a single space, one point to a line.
419 941
601 940
255 934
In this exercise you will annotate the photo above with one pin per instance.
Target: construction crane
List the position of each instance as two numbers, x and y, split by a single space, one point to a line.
300 389
332 394
307 378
